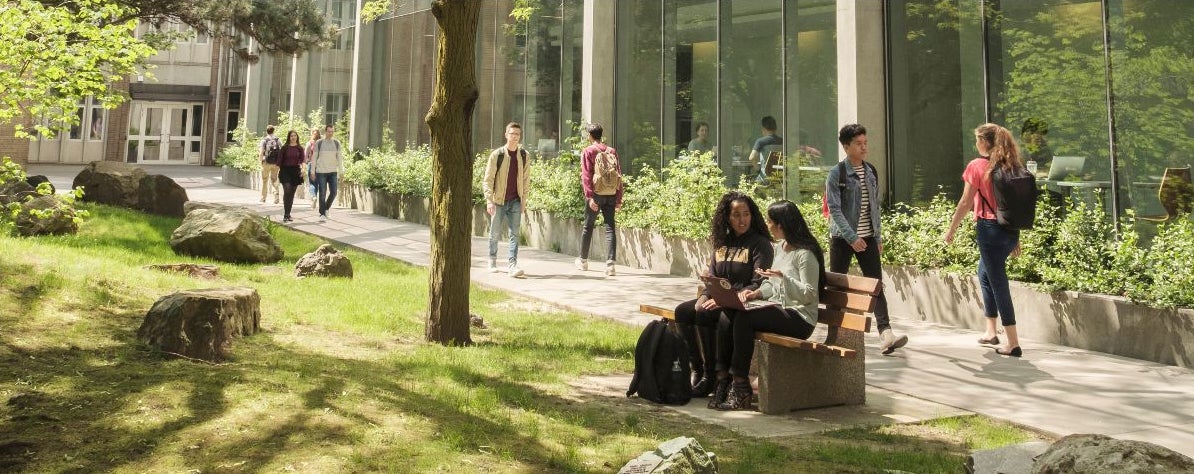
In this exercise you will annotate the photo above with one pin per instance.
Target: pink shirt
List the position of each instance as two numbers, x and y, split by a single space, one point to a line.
976 176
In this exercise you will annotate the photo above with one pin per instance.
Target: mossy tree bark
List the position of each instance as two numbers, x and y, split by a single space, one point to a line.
451 122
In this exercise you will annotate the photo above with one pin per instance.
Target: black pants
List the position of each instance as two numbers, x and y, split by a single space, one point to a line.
606 205
699 324
774 319
840 253
291 178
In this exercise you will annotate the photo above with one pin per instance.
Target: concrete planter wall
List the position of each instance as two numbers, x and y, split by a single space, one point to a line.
1089 321
636 248
243 179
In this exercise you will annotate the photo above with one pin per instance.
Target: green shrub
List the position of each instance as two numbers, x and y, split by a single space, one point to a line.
555 186
1171 260
1084 253
241 152
384 168
914 236
681 203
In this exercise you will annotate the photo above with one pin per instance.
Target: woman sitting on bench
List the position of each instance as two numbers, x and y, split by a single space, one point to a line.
794 282
741 246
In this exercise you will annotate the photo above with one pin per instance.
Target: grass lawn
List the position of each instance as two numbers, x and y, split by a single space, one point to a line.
340 380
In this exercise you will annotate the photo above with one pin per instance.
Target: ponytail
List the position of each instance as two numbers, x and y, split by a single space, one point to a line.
1004 152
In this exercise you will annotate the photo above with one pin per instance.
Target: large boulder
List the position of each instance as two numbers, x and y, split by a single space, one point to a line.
189 206
325 261
158 194
200 324
1092 453
681 455
110 182
225 235
37 179
56 218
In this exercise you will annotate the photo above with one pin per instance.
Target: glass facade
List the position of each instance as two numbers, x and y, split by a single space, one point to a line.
1038 68
730 66
527 72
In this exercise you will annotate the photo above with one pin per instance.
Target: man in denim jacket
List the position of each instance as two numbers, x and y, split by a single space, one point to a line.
854 229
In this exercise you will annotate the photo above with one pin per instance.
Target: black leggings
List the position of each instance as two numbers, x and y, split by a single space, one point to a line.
704 325
291 178
782 321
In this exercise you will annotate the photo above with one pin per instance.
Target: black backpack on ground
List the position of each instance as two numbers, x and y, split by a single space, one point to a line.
1015 198
661 366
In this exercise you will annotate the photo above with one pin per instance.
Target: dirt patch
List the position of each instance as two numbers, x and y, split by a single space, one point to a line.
341 345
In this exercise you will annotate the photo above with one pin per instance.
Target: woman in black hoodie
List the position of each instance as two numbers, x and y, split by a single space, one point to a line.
741 245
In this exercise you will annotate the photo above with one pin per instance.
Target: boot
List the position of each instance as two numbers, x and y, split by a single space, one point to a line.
889 342
704 386
738 398
720 392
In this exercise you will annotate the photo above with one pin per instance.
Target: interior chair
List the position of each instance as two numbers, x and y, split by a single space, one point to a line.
1176 195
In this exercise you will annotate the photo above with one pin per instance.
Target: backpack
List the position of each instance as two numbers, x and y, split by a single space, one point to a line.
842 170
661 366
273 151
607 176
1015 198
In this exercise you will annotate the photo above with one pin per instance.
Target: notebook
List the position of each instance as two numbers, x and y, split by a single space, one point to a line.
723 293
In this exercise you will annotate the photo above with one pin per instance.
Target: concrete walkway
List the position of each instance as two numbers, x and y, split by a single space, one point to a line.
943 371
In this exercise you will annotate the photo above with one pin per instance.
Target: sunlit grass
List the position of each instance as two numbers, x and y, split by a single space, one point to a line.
340 379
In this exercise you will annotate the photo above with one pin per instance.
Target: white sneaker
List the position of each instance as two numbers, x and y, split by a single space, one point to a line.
493 266
323 218
514 271
581 264
314 204
609 268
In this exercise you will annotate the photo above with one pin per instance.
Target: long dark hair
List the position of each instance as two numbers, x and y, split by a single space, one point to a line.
721 231
298 139
797 235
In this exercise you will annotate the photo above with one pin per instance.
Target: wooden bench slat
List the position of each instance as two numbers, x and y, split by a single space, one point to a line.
669 313
852 283
802 344
832 317
858 303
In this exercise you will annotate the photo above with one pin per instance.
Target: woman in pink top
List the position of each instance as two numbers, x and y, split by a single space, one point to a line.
995 242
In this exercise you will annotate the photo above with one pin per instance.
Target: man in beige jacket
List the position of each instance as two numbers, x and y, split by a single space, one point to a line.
505 187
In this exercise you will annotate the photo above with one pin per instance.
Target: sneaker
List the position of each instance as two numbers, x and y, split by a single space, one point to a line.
276 200
262 201
581 264
609 268
889 342
287 219
514 271
323 218
493 266
314 204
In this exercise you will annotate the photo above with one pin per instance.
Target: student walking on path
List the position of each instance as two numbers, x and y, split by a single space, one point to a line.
601 178
290 172
852 201
269 164
505 188
327 164
309 164
997 150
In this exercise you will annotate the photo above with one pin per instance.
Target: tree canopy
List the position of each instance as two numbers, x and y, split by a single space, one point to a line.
54 53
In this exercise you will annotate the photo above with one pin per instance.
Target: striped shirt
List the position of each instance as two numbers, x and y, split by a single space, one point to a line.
864 215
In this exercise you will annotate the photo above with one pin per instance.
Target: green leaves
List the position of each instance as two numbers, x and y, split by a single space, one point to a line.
52 56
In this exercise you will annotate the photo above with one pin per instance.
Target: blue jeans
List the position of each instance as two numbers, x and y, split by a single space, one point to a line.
326 182
995 243
511 212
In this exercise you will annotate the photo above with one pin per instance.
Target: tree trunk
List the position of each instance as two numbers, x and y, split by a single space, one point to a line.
451 122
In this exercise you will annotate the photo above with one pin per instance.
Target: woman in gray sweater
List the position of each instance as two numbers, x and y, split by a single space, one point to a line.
794 283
